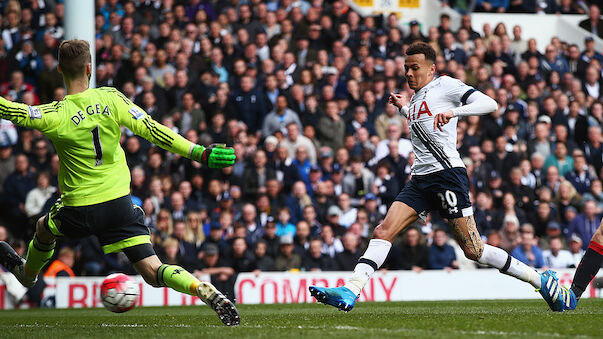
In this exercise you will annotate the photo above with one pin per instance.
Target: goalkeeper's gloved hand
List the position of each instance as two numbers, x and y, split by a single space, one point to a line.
214 155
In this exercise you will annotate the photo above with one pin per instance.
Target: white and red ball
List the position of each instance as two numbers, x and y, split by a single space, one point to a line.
119 293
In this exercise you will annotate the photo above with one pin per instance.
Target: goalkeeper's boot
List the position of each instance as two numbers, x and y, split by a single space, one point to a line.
219 303
558 297
339 297
15 264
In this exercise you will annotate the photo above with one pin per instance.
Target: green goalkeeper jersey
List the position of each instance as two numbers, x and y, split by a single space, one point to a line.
85 130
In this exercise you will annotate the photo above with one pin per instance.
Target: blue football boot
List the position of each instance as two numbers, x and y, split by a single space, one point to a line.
559 298
339 297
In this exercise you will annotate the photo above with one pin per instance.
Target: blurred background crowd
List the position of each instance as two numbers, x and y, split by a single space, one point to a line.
300 90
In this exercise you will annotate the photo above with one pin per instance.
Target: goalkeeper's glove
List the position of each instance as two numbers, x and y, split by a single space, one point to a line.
214 155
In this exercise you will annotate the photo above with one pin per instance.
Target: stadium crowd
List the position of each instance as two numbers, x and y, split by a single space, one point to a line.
300 90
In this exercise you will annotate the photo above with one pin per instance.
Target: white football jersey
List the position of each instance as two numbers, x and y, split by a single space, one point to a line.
435 150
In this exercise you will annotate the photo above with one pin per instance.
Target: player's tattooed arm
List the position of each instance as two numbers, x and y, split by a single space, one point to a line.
465 232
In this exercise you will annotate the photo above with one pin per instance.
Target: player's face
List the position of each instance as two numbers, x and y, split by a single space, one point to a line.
419 71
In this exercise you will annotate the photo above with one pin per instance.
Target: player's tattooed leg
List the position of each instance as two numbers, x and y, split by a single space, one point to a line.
465 232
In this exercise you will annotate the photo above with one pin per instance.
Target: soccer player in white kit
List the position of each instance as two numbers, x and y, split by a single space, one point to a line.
439 182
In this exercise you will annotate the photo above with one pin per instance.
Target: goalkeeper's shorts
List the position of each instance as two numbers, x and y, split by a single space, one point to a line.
118 224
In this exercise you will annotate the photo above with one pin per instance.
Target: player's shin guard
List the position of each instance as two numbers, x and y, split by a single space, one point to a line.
177 278
38 255
496 257
588 268
373 258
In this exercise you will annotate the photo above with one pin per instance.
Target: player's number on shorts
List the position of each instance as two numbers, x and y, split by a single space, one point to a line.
98 148
448 199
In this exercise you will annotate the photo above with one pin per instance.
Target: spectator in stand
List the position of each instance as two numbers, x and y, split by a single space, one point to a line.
345 260
16 187
242 260
527 252
358 182
287 260
280 118
510 236
585 224
590 53
256 177
302 238
63 265
331 127
270 237
556 256
263 261
451 50
331 244
441 255
560 159
17 88
249 104
578 124
553 61
348 213
249 220
575 249
594 23
284 227
294 140
389 116
412 254
220 273
580 176
595 194
37 197
315 260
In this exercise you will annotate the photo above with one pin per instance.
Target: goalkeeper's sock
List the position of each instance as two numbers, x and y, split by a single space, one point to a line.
588 268
38 255
373 258
177 278
506 264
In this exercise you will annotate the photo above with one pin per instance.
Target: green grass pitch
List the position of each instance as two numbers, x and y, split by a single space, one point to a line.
450 319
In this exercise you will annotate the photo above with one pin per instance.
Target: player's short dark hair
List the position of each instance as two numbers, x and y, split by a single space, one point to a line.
74 55
424 48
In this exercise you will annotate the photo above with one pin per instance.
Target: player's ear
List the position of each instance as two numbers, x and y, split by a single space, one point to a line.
59 69
89 70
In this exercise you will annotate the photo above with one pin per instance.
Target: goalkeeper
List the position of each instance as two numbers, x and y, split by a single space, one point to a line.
95 180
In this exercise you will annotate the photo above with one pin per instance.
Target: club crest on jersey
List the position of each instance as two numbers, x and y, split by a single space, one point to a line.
136 113
34 112
423 109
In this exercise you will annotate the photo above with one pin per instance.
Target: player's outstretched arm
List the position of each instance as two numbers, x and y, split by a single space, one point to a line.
139 122
36 117
476 103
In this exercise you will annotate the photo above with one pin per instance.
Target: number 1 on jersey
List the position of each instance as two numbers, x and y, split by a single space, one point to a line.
98 148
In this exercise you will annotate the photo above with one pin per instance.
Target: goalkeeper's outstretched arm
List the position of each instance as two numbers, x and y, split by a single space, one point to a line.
139 122
42 117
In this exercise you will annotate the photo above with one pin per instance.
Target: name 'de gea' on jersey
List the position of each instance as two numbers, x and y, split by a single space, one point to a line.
79 116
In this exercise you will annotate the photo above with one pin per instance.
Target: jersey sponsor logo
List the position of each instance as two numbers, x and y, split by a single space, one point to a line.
34 112
136 113
423 109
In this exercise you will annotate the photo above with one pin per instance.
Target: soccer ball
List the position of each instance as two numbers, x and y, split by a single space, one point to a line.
119 293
